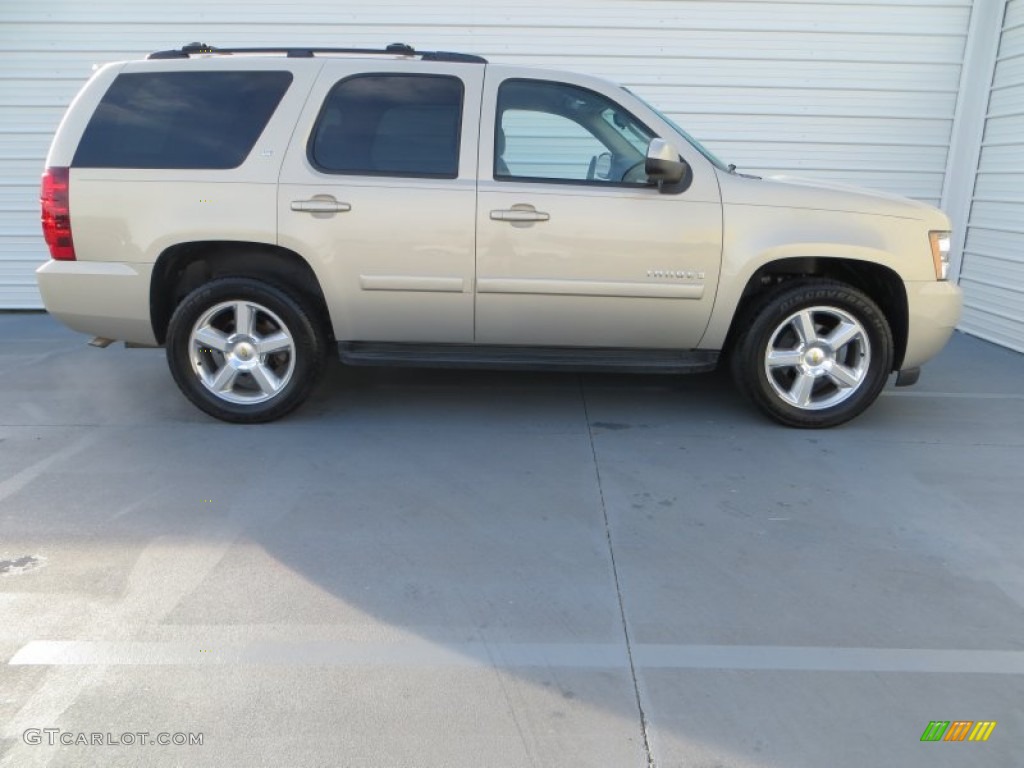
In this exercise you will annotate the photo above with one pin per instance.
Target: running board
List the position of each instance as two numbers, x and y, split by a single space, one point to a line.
527 358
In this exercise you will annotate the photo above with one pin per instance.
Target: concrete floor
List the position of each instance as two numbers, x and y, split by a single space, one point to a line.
489 570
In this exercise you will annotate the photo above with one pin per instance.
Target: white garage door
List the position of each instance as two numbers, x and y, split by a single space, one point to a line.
992 274
862 92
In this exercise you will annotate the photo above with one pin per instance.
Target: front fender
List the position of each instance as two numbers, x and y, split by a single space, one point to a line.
757 235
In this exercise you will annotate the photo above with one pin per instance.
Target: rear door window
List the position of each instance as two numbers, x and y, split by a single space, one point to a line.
390 125
180 119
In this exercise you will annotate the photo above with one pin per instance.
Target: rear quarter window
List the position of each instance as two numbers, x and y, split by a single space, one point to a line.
180 119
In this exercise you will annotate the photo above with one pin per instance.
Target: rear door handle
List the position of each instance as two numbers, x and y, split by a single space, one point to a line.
319 205
519 214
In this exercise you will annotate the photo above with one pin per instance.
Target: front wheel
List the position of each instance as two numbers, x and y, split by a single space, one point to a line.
814 354
244 351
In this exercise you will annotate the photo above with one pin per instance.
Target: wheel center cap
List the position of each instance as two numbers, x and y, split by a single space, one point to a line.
242 355
814 356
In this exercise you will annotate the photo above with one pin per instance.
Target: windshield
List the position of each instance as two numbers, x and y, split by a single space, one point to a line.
693 142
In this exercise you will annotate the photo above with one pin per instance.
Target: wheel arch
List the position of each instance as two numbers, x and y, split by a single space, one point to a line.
880 283
182 267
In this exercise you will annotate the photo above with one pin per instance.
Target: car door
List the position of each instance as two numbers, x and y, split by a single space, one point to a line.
574 246
378 193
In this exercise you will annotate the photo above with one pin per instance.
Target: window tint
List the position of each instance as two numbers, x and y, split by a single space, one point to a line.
551 131
390 125
180 119
545 145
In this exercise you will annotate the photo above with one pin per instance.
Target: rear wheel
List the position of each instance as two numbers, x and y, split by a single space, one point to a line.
244 351
815 353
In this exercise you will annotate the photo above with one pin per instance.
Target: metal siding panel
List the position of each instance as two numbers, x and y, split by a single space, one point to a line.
994 214
1014 15
836 157
993 243
15 145
859 92
1009 71
38 120
797 102
921 186
571 14
998 185
1002 130
17 278
1008 100
992 274
1012 41
993 313
824 130
558 44
674 67
1002 272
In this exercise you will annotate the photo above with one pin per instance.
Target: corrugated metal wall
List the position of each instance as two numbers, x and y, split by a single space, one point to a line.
992 274
862 92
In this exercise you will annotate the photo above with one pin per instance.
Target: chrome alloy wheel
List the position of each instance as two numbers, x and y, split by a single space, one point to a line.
817 358
242 352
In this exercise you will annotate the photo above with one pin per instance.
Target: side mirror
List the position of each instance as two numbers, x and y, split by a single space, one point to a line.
663 163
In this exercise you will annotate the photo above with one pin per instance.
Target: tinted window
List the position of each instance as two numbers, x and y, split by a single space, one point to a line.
546 145
180 119
390 125
549 131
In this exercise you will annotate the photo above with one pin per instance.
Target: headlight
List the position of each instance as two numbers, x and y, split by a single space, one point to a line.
940 253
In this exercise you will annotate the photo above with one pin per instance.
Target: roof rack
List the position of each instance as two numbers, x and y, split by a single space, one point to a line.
395 49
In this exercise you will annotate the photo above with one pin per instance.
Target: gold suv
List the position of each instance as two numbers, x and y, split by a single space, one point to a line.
253 209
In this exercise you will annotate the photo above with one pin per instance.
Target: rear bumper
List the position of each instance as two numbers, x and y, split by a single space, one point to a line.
101 298
934 309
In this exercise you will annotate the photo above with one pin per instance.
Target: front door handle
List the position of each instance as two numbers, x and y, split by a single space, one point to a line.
320 205
519 214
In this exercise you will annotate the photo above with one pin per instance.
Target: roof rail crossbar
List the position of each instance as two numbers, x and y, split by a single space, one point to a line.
395 49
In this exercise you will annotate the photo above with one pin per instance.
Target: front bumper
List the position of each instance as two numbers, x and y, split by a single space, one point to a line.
101 298
933 309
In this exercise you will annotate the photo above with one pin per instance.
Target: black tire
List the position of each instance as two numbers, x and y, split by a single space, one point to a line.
263 386
834 385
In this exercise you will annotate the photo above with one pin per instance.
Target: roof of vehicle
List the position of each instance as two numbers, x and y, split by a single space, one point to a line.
305 52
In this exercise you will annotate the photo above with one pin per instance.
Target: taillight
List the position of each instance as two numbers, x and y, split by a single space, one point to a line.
56 216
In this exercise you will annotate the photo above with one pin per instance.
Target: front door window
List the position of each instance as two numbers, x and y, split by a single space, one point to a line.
562 133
